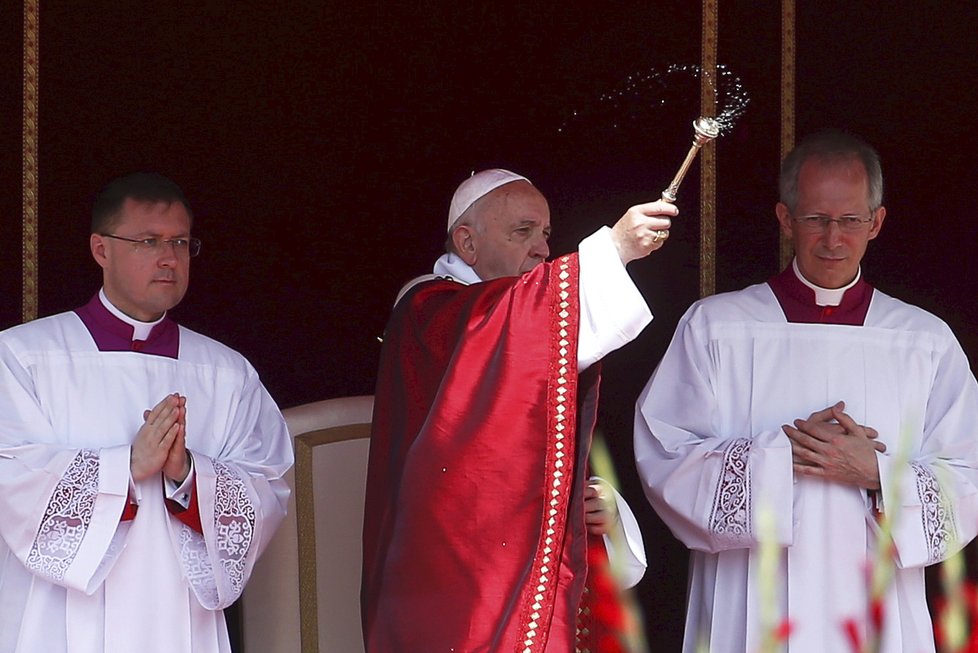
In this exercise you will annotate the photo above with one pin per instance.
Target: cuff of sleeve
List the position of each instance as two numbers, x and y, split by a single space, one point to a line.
875 498
629 561
181 493
188 513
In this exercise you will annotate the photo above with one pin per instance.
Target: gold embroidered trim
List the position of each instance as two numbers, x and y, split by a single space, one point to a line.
708 156
31 66
787 100
548 565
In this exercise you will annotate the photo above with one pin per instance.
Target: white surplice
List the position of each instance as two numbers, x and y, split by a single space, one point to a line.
73 577
713 458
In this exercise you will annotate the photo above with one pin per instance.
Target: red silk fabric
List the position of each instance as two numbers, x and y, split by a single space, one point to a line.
474 534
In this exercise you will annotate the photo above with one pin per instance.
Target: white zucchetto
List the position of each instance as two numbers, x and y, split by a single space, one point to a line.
477 186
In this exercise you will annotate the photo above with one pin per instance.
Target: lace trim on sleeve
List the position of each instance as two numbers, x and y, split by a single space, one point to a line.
197 566
66 519
936 514
234 529
730 518
234 524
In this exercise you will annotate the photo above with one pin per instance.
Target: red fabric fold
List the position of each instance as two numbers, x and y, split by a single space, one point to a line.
473 526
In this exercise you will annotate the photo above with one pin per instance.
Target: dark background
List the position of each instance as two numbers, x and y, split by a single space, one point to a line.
319 145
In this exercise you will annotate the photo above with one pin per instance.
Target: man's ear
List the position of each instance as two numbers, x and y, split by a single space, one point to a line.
464 240
784 219
878 216
96 243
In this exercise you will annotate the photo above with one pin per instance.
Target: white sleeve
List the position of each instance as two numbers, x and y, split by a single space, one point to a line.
707 486
241 496
613 311
61 505
933 497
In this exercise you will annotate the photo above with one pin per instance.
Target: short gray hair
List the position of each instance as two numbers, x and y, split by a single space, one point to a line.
471 217
830 145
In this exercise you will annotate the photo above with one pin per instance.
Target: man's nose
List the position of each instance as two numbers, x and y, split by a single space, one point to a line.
832 234
541 249
167 254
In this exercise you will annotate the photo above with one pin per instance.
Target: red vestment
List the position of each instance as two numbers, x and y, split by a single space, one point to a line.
474 536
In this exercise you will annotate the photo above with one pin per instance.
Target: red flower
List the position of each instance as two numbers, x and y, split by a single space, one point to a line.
851 627
783 631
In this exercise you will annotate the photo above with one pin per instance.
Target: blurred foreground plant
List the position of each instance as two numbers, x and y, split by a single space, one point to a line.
610 619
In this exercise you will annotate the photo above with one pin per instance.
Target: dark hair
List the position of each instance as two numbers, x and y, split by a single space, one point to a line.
139 186
830 145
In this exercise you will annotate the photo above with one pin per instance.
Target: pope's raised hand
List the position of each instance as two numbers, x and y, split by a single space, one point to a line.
162 425
643 229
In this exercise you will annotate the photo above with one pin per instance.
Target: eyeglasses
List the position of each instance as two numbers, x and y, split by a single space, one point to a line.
820 223
181 246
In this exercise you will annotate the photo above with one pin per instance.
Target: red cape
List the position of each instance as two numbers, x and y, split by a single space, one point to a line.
474 520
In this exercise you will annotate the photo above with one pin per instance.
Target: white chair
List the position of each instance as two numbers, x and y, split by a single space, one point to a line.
304 593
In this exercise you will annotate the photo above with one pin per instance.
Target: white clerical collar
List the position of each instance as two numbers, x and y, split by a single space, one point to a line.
451 265
826 296
140 330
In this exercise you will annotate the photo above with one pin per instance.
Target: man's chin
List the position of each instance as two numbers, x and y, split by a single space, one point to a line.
169 300
830 277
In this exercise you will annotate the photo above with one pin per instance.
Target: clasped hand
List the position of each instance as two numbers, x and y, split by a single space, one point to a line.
832 446
160 443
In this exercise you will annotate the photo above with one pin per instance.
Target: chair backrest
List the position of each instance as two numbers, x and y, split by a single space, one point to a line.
304 593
